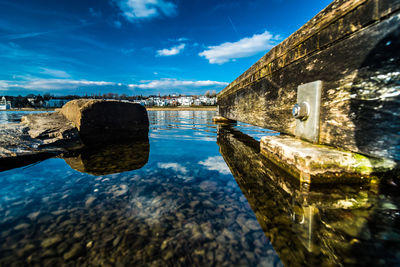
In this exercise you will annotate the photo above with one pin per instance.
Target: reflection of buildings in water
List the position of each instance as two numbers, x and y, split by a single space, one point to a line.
161 119
320 226
3 117
193 119
112 158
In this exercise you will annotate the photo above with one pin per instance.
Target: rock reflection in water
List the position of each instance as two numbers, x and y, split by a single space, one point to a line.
110 158
318 226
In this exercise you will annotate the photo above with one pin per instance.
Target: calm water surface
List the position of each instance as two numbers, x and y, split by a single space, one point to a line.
14 116
195 194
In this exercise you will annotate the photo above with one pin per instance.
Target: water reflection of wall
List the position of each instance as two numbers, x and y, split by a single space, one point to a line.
312 226
3 117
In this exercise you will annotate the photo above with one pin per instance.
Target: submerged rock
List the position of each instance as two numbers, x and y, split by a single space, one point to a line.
74 252
51 241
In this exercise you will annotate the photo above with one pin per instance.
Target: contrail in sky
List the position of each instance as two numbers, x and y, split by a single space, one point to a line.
233 26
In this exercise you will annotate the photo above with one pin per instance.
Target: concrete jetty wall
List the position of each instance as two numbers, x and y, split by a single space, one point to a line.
353 48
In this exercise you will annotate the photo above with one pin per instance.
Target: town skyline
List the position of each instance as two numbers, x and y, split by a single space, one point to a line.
51 101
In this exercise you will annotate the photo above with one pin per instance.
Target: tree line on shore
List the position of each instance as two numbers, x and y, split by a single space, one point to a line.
38 100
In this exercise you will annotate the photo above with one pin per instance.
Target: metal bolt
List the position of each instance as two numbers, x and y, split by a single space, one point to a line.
301 111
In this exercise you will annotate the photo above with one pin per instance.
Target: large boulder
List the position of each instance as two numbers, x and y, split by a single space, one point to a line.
105 121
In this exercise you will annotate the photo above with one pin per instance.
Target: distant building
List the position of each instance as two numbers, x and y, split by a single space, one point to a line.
197 102
140 102
4 104
185 100
149 102
207 101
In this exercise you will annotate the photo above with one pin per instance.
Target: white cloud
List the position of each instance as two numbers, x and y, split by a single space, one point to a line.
4 85
174 166
55 73
51 84
172 51
139 9
176 84
245 47
43 84
216 163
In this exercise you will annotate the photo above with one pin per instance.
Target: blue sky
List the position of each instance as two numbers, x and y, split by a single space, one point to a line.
139 46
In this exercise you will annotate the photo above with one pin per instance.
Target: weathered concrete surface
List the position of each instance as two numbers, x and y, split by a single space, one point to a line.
322 164
104 120
353 47
108 159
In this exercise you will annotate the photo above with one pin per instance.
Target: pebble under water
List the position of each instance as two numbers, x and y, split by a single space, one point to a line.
194 194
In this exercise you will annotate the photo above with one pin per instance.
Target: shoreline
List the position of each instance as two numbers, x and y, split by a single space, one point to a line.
29 109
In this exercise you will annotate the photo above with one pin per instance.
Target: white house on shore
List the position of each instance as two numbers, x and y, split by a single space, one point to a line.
185 100
4 104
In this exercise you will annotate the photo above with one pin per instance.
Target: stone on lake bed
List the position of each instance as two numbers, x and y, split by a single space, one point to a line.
253 225
116 241
208 186
51 241
121 190
21 226
89 244
78 234
33 215
25 250
74 252
90 201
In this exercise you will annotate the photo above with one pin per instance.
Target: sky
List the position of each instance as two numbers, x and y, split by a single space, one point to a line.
139 47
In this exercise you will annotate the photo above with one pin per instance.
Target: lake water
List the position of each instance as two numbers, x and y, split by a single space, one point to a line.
194 194
14 116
